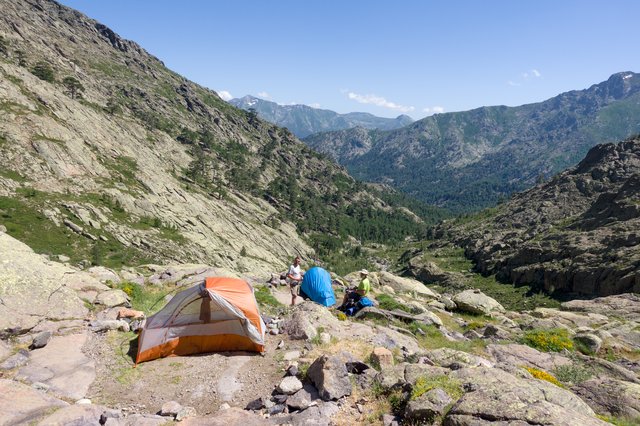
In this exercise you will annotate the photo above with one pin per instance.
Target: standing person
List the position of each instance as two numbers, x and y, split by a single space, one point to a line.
294 278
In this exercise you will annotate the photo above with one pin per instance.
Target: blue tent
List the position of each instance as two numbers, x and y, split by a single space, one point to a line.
316 284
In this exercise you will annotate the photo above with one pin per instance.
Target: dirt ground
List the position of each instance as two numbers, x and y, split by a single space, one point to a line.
200 381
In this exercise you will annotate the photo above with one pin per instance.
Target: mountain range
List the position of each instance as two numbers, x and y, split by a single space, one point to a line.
465 161
303 120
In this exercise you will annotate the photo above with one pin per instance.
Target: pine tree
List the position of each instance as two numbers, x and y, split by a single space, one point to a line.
74 87
43 71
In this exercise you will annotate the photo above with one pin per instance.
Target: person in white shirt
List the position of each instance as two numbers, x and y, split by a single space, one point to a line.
294 278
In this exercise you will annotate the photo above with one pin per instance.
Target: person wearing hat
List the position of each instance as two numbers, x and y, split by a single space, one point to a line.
365 286
352 296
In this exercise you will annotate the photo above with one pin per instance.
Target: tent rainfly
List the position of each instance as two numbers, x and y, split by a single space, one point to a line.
220 314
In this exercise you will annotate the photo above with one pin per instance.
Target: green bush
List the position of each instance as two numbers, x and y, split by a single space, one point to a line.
553 340
572 373
424 384
43 71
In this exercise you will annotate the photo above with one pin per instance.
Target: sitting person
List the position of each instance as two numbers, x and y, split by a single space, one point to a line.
294 278
351 296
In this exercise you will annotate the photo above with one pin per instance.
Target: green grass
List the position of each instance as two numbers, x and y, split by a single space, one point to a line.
148 299
265 299
620 421
389 303
433 339
13 175
452 259
424 384
573 373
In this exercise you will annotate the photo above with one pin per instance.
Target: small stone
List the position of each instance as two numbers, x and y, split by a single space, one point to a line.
292 370
274 331
277 409
186 412
279 399
325 338
290 356
62 258
41 340
83 401
129 313
106 325
280 344
224 406
289 385
170 408
256 404
382 356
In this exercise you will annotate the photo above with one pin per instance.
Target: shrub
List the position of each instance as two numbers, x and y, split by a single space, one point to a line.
43 71
543 375
553 340
265 298
572 373
389 303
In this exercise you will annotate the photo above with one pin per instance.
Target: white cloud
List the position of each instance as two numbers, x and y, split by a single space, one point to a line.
378 101
513 83
264 95
536 73
226 96
315 105
433 110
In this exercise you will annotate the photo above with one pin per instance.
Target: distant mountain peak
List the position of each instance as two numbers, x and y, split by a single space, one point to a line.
304 120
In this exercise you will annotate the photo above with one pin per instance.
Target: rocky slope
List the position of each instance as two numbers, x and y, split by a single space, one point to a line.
577 233
471 159
107 156
453 359
304 120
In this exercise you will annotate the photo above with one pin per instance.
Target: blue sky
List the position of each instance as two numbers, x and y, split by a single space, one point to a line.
384 57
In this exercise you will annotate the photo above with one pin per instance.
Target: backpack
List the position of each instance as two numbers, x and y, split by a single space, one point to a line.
364 302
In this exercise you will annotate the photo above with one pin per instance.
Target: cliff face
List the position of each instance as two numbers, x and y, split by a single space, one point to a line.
578 233
108 156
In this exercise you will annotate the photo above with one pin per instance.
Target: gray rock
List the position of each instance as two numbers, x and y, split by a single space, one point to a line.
41 340
25 304
256 404
78 414
523 355
104 274
18 359
112 298
625 306
428 406
170 409
98 326
393 377
21 404
299 327
303 398
476 302
329 375
592 342
289 385
61 365
5 350
496 332
611 397
446 357
499 395
405 285
185 412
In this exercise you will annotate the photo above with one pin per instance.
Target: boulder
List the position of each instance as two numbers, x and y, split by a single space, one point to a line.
303 398
170 409
522 355
405 285
289 385
186 412
626 306
40 340
112 298
476 302
77 414
392 377
22 404
612 397
106 325
62 366
329 375
446 357
5 350
428 406
382 356
228 417
104 275
497 394
589 341
31 289
572 319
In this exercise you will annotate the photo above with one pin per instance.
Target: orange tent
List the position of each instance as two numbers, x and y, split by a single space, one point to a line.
220 314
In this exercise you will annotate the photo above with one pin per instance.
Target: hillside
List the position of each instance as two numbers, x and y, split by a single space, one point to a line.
576 234
468 160
303 120
108 157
